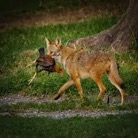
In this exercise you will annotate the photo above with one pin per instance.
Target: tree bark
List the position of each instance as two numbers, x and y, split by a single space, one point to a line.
119 37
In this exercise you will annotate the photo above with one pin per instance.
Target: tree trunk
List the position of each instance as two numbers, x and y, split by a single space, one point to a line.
119 37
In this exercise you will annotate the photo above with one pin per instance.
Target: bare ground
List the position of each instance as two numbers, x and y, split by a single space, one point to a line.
68 113
17 98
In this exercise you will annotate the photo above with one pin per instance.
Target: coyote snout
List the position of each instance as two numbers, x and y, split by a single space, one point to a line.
84 64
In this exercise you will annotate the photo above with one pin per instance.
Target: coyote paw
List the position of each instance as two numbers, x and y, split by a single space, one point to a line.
57 96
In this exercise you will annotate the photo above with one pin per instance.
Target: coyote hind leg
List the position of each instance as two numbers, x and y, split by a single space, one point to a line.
98 81
118 83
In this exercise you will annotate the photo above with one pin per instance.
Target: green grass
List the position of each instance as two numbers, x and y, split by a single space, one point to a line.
68 104
76 127
18 47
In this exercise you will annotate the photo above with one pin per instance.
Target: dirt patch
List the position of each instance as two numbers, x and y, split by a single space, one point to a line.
17 98
68 113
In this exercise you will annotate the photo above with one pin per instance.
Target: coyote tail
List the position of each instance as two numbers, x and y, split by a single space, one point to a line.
114 74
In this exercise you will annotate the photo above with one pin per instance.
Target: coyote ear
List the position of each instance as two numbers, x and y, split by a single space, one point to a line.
58 41
47 41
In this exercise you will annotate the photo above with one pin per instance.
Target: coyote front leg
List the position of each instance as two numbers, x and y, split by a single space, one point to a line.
63 88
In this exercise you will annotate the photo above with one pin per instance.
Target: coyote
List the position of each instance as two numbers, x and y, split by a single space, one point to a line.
81 63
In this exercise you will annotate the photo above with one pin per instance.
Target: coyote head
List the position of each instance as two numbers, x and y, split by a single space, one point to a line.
47 63
54 48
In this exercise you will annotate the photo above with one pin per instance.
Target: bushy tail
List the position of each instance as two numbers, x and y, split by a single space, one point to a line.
116 80
114 76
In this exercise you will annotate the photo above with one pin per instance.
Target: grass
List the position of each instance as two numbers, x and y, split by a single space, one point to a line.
18 47
76 127
68 104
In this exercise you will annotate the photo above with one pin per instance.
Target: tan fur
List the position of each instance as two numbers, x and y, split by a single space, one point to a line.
84 64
